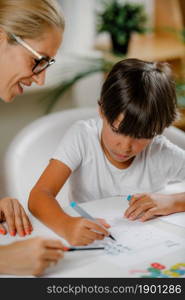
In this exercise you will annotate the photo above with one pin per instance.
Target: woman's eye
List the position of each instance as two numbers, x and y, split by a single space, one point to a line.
34 61
114 130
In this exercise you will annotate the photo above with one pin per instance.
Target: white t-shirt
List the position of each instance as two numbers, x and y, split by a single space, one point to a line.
94 177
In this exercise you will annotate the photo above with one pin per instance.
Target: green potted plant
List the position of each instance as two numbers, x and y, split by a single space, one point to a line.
120 20
180 88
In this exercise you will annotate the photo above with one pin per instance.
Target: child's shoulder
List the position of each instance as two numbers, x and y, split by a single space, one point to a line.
162 145
87 126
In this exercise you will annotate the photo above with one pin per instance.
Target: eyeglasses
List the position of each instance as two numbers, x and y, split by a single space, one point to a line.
41 62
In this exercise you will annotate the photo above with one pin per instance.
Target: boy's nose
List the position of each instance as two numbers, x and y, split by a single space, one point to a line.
39 78
126 144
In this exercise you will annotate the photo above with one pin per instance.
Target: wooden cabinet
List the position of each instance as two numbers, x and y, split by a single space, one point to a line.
164 43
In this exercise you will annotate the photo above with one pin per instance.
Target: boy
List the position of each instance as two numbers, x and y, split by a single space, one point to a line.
121 152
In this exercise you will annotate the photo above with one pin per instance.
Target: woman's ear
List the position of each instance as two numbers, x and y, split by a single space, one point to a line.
3 35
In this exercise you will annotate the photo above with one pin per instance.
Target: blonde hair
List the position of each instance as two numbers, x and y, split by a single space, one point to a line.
30 18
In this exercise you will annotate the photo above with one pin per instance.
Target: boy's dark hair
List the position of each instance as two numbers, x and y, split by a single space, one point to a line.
144 92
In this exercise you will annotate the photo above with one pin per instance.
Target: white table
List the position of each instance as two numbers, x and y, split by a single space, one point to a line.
95 263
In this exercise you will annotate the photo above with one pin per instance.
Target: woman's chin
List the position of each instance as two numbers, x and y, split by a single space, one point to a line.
7 98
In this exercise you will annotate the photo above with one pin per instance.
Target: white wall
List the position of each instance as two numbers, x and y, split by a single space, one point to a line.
80 29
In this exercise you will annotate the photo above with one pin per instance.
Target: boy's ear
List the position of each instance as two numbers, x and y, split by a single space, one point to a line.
100 111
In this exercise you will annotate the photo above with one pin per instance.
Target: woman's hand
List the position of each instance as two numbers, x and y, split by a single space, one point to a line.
12 212
147 206
30 257
80 231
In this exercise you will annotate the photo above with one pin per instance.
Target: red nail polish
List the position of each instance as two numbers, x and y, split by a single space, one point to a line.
65 248
12 233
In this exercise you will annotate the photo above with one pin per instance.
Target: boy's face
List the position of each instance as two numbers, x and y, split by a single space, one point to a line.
118 147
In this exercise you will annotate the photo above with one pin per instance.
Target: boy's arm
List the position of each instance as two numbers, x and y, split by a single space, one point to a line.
43 204
146 206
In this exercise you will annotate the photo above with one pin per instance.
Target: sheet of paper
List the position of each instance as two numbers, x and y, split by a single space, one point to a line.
177 219
138 242
141 245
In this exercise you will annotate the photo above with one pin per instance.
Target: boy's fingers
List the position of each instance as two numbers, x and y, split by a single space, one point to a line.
131 209
94 235
96 227
140 210
141 202
103 222
149 214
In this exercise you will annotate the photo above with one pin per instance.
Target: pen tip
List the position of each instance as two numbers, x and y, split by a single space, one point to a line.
110 235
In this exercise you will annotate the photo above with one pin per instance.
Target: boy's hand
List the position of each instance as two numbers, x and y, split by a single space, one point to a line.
80 231
12 212
146 206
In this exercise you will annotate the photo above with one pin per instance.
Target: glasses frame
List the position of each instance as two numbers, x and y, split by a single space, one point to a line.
39 58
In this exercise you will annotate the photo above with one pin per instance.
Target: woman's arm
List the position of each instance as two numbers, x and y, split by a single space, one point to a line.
43 204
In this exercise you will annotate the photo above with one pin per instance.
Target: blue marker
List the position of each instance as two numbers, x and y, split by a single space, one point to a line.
84 214
129 197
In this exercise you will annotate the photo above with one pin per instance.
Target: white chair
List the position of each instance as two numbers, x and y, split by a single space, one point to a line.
30 151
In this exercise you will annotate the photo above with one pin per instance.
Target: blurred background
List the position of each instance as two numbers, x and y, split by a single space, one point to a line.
98 34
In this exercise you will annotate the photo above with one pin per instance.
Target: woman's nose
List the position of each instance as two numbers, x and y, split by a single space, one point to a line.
39 78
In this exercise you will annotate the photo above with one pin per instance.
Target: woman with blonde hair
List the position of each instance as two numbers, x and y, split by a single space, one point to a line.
30 35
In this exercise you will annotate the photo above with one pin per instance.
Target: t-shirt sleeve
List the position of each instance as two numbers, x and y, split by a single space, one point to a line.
175 158
71 147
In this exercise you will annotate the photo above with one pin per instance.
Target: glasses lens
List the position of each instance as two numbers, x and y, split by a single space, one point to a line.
42 64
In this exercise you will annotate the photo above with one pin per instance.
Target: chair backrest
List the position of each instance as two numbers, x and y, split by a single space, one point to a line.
30 151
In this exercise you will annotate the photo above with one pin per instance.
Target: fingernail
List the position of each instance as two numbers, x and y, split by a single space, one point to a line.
12 233
27 231
22 233
2 231
66 248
